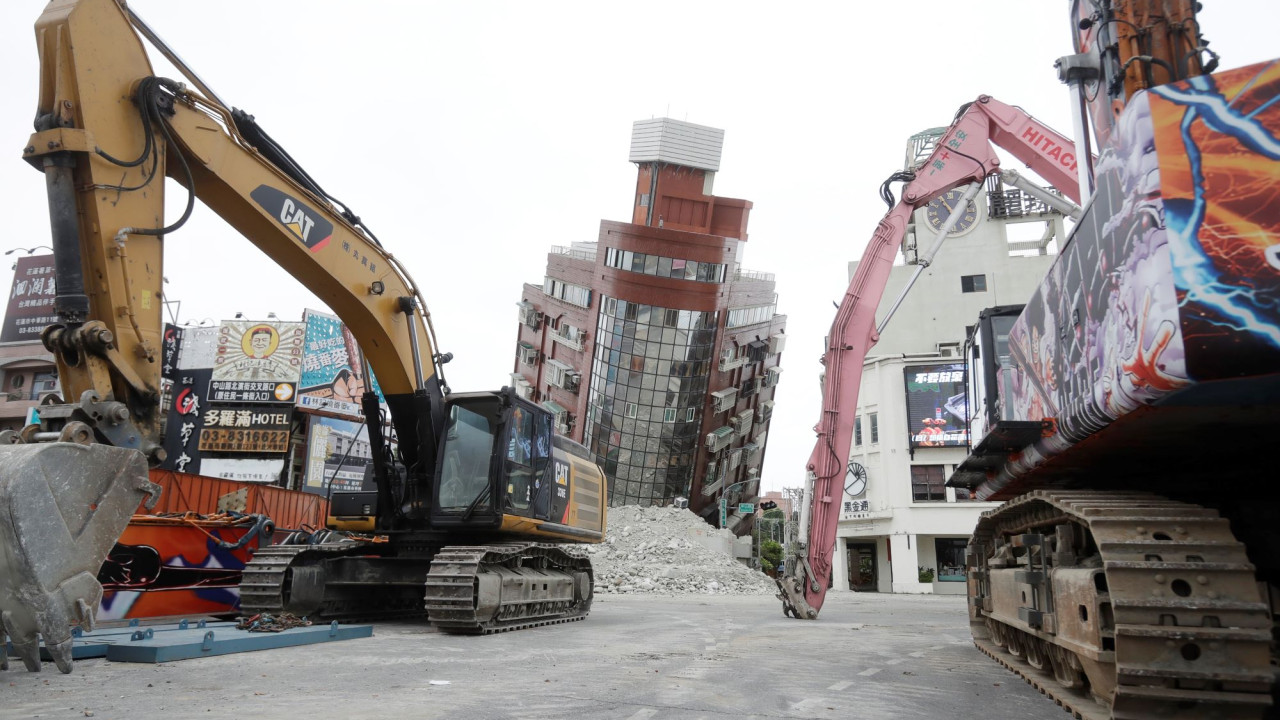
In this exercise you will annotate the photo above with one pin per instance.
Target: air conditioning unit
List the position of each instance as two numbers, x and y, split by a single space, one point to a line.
717 440
529 315
764 412
722 400
571 381
777 343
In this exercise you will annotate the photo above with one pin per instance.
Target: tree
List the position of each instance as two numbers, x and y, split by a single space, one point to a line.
770 554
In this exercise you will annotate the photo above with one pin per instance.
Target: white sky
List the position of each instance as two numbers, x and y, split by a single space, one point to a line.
472 136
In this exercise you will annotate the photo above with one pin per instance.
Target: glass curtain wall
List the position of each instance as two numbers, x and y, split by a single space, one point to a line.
648 384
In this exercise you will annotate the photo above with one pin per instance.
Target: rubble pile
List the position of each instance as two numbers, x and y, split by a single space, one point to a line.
656 550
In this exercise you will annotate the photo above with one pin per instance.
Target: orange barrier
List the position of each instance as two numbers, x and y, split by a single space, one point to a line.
289 509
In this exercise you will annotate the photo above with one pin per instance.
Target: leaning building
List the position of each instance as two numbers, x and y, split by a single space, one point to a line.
652 345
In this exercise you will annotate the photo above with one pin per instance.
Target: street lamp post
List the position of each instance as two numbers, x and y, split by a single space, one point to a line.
724 501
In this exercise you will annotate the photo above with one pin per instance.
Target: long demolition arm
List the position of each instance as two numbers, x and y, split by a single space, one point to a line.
965 155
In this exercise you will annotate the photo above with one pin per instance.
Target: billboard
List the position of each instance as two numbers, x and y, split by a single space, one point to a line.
30 307
260 429
184 422
257 362
332 368
337 454
936 414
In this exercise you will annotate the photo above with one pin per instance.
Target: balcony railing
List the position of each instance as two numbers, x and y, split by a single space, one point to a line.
752 275
575 253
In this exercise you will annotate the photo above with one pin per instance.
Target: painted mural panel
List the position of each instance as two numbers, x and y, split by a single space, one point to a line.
1157 290
332 367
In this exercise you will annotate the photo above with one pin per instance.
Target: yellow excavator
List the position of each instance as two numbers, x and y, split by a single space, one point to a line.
481 506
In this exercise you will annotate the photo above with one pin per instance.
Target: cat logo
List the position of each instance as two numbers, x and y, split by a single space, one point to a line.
303 223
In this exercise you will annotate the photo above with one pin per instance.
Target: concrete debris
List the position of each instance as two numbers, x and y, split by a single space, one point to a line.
670 551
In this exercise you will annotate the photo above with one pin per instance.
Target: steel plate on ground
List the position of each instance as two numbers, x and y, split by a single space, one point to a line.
94 644
143 647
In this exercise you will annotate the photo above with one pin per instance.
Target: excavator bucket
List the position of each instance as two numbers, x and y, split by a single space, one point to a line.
62 507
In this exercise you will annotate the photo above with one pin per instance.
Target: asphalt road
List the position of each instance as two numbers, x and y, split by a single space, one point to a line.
634 658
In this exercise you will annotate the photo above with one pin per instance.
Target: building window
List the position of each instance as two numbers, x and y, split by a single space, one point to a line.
963 495
874 419
43 382
973 283
750 315
950 555
570 293
927 483
667 267
857 430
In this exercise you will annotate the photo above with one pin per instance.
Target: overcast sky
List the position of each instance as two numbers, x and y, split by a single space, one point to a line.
472 136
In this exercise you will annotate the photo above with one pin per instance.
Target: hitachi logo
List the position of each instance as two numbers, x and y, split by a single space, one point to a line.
295 219
1052 150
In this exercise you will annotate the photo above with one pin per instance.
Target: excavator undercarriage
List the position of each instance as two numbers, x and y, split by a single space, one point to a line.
1124 605
477 589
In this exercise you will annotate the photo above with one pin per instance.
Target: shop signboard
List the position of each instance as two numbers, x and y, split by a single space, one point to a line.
255 470
257 362
251 429
30 307
199 347
332 378
184 422
170 348
337 454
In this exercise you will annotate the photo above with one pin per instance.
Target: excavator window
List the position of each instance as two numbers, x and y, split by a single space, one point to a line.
528 451
464 471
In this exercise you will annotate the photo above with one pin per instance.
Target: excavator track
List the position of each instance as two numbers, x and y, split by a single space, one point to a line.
479 590
268 586
1122 605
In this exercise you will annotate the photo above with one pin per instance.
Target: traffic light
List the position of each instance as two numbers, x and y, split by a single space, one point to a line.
768 505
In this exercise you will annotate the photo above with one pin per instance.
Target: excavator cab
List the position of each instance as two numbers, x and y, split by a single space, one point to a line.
492 460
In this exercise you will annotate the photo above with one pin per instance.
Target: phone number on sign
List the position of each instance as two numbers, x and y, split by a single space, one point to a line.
229 440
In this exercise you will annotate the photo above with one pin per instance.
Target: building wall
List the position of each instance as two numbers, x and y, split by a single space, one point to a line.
27 375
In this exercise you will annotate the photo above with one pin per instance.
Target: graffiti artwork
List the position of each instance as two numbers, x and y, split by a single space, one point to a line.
1166 281
178 566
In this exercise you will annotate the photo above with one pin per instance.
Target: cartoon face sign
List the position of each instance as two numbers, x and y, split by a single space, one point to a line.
260 341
